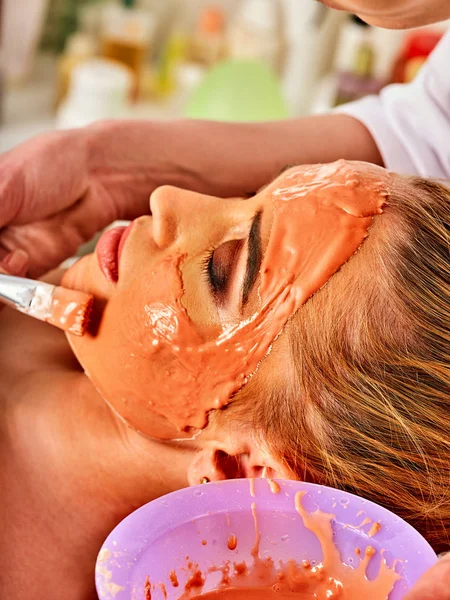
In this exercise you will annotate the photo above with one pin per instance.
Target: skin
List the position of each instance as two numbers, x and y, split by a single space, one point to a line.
149 248
55 199
395 14
434 584
15 263
166 314
70 469
82 469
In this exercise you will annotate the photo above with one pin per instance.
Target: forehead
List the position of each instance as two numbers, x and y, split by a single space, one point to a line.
321 216
351 186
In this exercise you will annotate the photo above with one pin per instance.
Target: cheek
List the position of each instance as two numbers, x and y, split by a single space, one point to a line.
151 364
133 357
127 368
159 375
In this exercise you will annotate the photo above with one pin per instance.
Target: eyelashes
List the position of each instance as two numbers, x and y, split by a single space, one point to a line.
206 265
219 264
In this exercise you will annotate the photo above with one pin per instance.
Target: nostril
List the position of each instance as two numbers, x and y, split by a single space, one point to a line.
162 208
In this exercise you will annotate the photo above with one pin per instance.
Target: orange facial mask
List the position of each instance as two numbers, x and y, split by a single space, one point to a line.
174 374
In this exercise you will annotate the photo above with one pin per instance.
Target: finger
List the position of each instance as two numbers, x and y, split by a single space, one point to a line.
47 247
51 241
434 584
15 263
42 177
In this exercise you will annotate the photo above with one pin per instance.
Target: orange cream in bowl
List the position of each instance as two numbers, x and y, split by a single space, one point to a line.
261 539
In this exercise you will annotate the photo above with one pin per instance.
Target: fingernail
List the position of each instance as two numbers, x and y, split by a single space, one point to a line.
16 262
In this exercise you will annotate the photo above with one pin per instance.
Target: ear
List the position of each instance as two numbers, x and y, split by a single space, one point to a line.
219 461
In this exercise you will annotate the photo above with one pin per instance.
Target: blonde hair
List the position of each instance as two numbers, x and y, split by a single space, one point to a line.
367 407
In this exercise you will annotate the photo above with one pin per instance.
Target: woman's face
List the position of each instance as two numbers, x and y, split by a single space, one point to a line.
190 299
395 14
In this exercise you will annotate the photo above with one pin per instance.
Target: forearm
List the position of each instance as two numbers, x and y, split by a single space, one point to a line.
226 159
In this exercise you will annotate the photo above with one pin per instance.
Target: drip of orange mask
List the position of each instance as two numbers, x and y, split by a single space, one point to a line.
321 216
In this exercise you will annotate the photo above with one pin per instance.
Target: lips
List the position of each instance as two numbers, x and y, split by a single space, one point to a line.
109 249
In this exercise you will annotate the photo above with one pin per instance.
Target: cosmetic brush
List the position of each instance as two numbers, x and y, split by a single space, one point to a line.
67 309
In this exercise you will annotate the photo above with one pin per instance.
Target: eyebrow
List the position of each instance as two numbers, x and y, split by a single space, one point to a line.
254 258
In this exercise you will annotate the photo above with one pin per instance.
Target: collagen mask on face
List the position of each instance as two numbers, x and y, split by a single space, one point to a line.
166 374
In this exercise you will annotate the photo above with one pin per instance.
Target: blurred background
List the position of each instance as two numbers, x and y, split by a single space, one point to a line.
67 63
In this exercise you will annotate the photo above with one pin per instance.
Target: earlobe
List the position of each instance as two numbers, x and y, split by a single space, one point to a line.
217 464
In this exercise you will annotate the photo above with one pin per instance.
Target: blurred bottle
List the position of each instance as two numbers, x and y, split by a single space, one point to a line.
190 48
79 48
417 47
89 19
255 33
207 44
310 35
99 89
21 26
173 53
355 62
126 37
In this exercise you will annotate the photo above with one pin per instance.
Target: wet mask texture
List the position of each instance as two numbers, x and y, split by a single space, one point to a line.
321 216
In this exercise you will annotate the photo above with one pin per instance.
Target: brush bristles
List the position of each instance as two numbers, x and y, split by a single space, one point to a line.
70 310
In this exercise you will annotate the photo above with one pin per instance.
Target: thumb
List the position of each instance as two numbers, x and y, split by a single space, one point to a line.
434 584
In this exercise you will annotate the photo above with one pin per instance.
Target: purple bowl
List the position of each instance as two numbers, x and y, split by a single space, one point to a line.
157 538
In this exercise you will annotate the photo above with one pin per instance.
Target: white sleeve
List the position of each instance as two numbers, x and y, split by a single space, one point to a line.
411 123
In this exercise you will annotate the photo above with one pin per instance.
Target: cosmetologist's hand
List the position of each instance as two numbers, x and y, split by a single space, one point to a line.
434 584
15 263
59 189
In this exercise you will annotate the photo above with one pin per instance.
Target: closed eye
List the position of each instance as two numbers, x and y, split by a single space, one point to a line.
219 267
220 264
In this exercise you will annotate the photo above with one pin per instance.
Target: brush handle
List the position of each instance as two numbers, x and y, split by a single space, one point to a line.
19 292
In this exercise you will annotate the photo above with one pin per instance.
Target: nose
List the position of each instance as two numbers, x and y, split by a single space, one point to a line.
176 212
165 227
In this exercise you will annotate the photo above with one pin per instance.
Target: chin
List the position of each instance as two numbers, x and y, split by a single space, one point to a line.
85 275
400 22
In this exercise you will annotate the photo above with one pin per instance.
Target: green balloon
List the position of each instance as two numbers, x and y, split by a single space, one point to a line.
238 90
